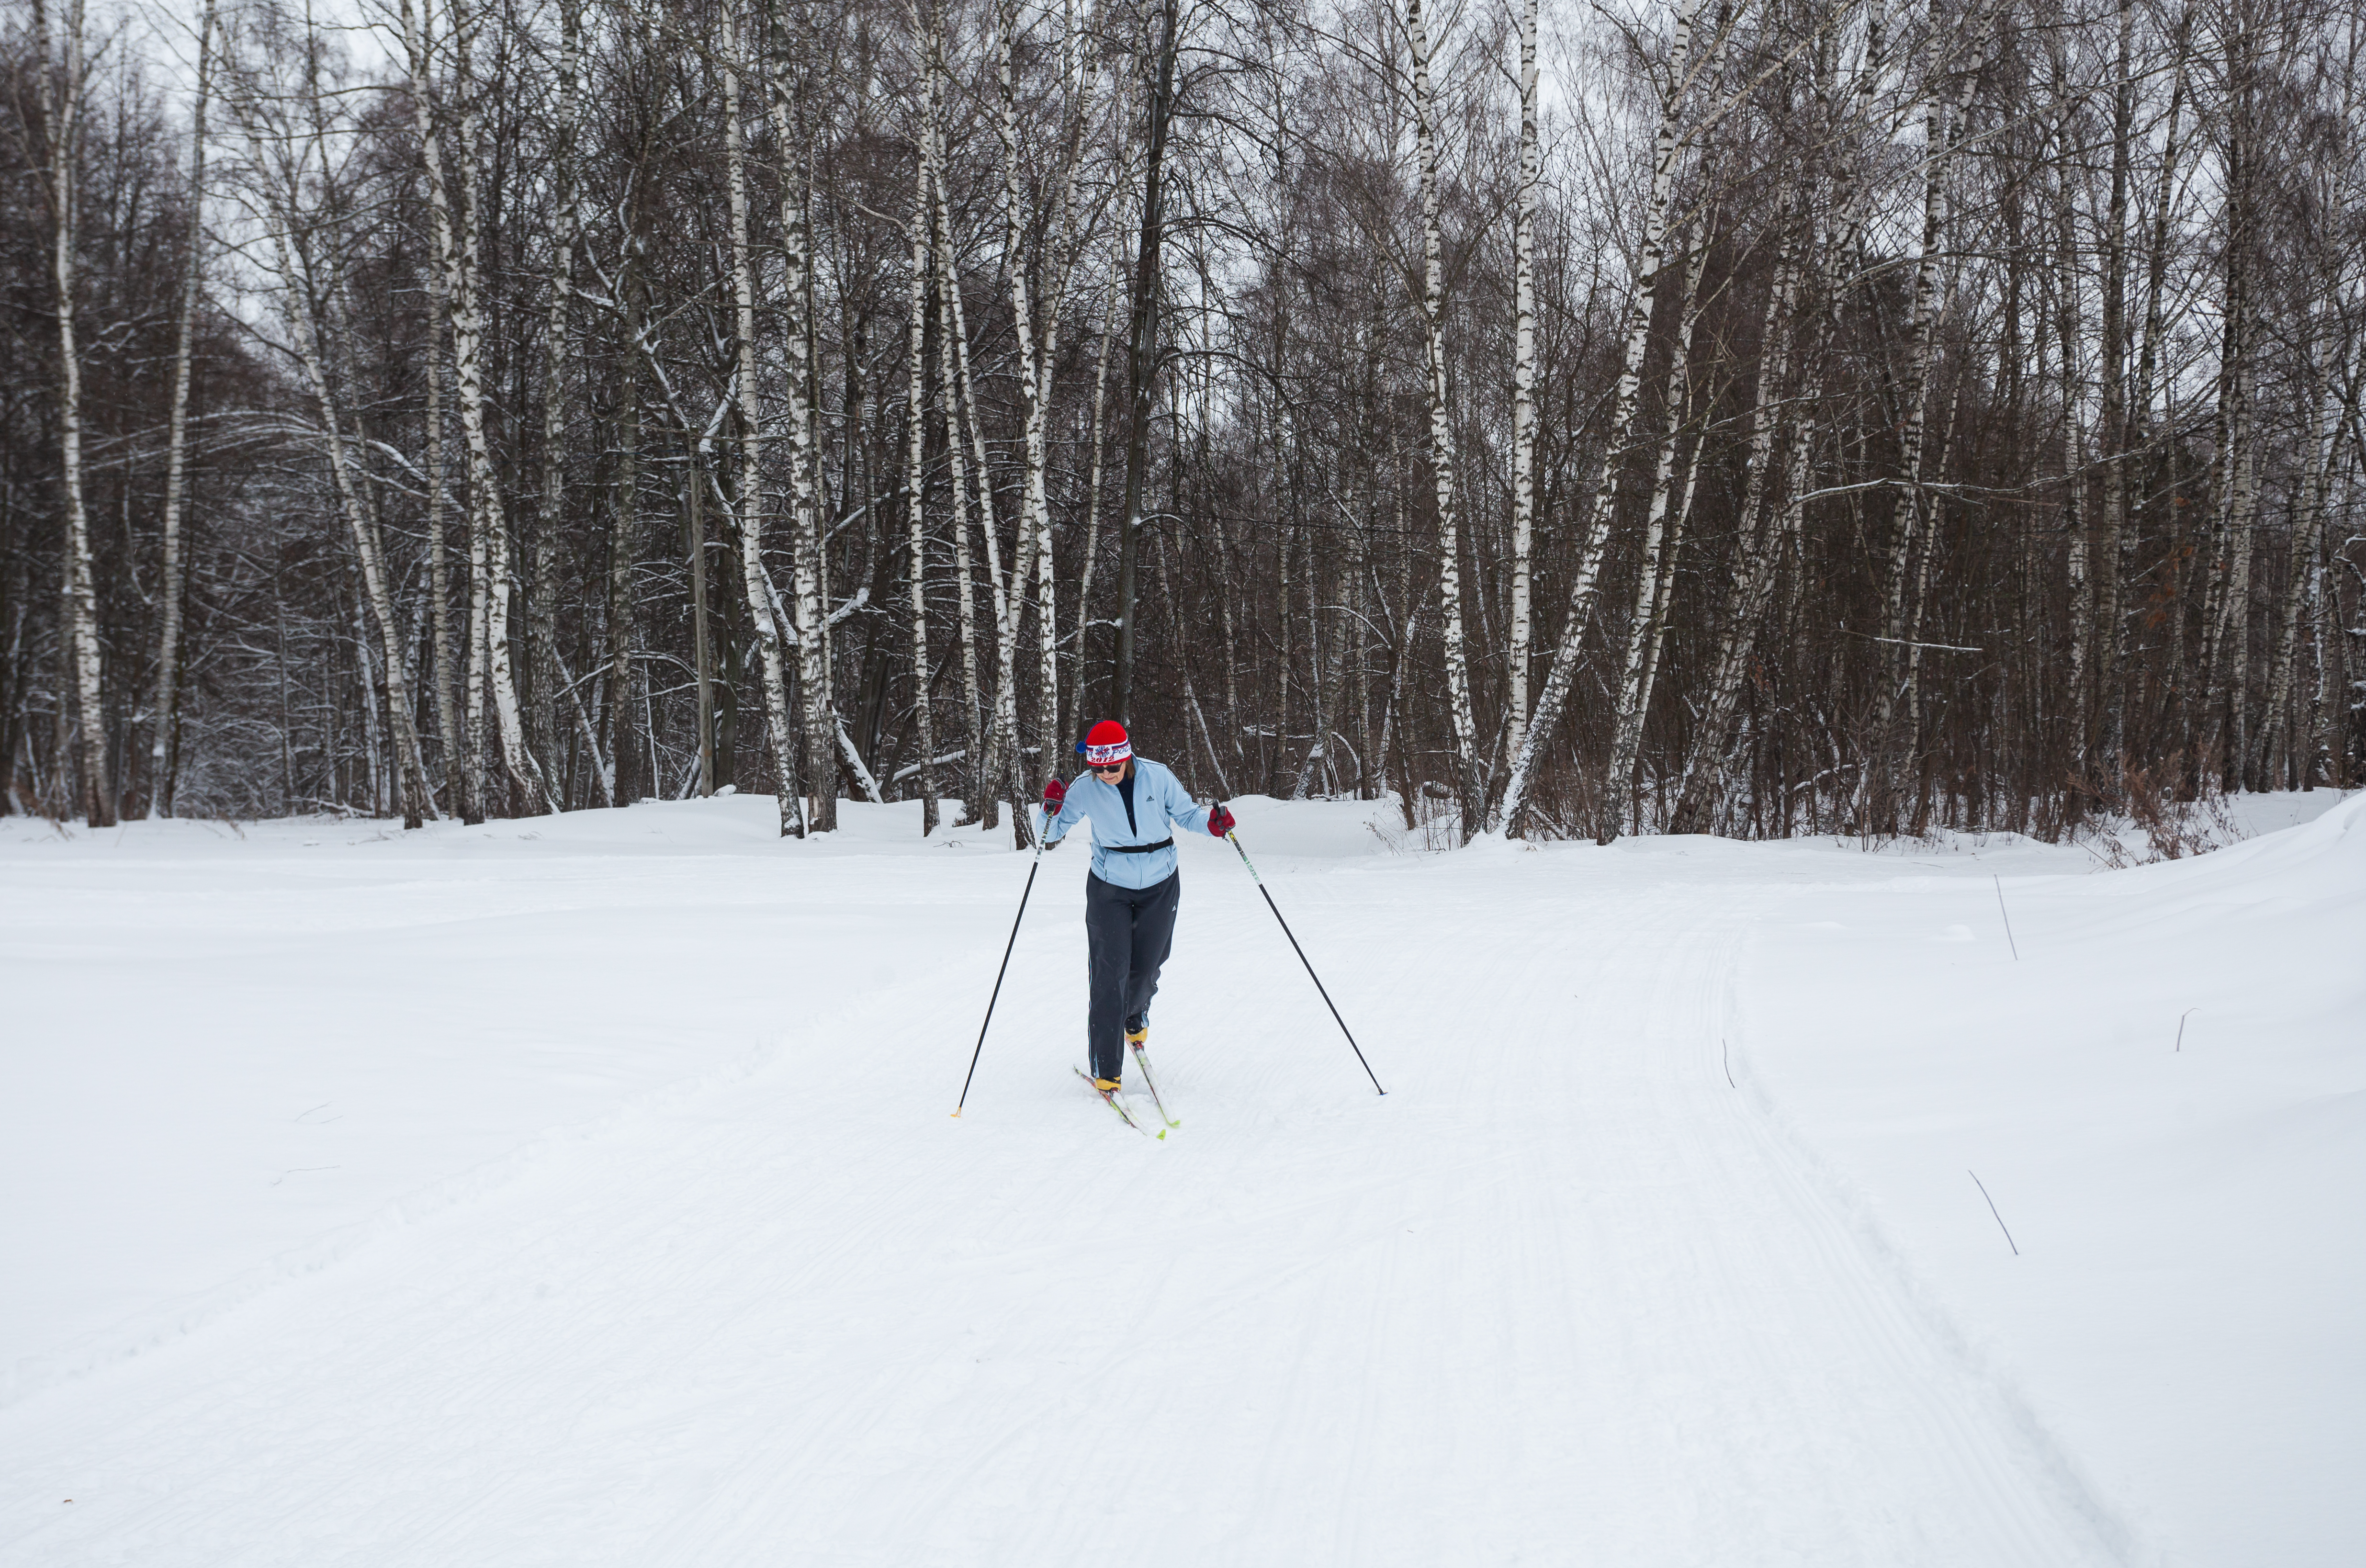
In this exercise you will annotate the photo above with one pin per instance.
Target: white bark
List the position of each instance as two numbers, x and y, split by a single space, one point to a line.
1473 787
751 498
61 69
815 723
488 547
915 479
1523 376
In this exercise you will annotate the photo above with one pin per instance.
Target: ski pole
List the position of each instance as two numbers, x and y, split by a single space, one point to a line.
1031 868
1311 975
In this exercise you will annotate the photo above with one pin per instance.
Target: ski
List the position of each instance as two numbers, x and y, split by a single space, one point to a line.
1142 1060
1112 1102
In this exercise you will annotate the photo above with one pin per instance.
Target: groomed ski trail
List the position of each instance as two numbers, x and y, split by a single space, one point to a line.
1562 1297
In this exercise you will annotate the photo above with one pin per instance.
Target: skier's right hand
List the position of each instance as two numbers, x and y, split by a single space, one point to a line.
1056 793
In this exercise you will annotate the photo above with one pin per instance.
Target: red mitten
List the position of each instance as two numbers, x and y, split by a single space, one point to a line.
1220 821
1054 794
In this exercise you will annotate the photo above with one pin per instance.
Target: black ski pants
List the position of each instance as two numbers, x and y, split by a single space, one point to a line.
1130 931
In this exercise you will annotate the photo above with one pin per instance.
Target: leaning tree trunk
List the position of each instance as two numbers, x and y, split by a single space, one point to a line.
305 328
1755 547
1562 672
1642 629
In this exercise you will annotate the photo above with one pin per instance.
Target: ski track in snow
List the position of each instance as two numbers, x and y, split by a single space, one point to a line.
1563 1296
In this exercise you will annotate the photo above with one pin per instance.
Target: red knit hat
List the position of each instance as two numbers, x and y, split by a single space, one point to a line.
1106 744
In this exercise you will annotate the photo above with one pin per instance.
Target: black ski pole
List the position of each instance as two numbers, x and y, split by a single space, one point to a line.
1031 868
1311 975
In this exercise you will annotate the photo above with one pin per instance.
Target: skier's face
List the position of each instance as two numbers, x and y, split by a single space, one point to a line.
1109 775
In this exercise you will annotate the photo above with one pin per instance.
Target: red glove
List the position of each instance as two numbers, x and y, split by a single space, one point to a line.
1055 793
1220 820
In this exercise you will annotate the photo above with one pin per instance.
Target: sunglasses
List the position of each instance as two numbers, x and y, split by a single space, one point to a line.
1106 768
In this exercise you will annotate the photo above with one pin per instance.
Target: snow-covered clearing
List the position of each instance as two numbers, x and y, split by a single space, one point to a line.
582 1192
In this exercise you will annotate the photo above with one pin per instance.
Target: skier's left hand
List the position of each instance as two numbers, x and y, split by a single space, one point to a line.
1220 820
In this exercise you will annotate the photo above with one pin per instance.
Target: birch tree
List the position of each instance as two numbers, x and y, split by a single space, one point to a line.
457 245
816 717
750 520
61 83
1469 770
1524 380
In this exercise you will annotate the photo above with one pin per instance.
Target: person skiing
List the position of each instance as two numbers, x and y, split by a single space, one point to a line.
1134 887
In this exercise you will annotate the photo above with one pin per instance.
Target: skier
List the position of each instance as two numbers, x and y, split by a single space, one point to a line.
1135 885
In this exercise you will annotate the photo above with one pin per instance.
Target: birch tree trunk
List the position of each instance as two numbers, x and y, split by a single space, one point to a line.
61 71
817 718
1473 785
163 708
750 521
1563 669
916 481
488 549
1523 376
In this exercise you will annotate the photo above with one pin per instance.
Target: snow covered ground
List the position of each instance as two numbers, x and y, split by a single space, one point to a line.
582 1192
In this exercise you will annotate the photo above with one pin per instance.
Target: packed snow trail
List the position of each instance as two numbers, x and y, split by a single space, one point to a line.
1561 1297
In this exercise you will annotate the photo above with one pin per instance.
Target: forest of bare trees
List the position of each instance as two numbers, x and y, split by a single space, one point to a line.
1759 418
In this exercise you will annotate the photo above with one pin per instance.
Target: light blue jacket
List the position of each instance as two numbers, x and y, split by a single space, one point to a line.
1161 810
